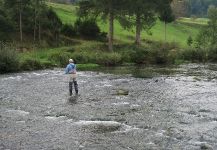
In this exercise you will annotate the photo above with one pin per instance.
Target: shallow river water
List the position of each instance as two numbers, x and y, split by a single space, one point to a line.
177 111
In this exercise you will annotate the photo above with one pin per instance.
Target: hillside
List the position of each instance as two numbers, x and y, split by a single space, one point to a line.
178 31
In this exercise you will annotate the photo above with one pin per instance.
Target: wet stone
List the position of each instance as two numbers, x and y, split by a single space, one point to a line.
192 112
122 92
204 110
205 146
100 126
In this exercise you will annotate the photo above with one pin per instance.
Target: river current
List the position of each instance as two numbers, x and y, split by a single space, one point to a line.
176 111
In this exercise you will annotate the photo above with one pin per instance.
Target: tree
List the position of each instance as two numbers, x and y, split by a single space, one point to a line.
208 35
180 8
166 16
106 9
6 26
140 14
16 8
54 25
199 8
189 41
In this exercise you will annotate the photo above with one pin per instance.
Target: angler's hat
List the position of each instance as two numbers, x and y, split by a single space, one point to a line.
71 60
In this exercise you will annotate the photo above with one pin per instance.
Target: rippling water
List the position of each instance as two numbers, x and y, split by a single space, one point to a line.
174 108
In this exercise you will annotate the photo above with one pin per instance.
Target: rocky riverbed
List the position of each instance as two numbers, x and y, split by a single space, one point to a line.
112 112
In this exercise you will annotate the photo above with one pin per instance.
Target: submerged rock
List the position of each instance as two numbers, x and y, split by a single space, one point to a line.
122 92
206 146
100 126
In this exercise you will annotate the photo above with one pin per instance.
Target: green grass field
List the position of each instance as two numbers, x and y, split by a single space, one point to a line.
178 31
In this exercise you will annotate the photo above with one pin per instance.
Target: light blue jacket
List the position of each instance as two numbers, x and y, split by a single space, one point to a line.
70 69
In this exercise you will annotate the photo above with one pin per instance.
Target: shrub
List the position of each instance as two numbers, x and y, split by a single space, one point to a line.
212 56
193 55
140 55
109 59
87 28
60 59
159 56
190 41
9 61
68 30
31 64
163 53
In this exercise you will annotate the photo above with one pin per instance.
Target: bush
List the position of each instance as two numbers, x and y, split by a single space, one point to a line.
139 56
212 56
163 53
9 61
60 59
81 57
189 41
193 55
31 64
68 30
87 28
109 59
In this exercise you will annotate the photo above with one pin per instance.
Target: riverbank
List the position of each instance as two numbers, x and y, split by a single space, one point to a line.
176 111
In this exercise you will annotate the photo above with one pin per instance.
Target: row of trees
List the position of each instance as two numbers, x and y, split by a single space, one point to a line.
141 14
200 7
28 17
188 8
207 38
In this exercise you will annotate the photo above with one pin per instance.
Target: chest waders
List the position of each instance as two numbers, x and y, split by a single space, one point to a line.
72 82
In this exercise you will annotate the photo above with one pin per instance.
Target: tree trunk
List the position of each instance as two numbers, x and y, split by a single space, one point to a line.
35 26
165 31
138 30
21 28
39 31
111 28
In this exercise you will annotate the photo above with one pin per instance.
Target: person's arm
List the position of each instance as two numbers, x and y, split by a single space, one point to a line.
67 70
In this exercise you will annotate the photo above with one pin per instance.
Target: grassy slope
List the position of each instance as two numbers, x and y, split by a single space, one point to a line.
176 32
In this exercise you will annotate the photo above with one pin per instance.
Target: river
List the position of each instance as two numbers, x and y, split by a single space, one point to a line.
166 111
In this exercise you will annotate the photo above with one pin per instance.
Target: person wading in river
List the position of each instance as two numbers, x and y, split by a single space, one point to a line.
71 70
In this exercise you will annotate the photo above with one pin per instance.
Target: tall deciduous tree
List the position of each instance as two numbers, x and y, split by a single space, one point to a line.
17 7
106 9
166 16
141 14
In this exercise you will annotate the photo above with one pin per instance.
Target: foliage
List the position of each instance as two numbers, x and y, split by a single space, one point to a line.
87 66
31 64
166 14
6 26
212 56
189 41
60 58
32 19
9 61
87 28
54 24
199 7
207 37
68 30
193 55
109 59
106 9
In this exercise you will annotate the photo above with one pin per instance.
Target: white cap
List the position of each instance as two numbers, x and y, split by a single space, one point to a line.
71 60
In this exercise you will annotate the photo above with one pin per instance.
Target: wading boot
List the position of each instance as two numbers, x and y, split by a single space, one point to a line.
70 88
